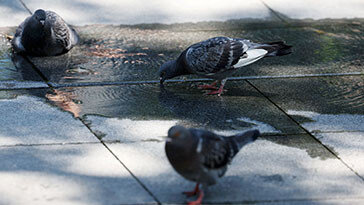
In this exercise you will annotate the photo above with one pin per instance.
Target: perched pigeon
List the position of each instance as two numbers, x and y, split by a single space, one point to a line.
218 58
44 33
202 156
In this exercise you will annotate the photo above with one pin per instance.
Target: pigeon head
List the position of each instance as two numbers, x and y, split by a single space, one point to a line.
178 134
35 31
167 71
40 16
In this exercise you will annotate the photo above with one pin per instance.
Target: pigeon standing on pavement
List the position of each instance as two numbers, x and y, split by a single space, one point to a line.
44 33
202 156
218 58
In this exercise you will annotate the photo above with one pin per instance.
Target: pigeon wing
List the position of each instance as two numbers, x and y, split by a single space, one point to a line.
60 29
215 55
215 151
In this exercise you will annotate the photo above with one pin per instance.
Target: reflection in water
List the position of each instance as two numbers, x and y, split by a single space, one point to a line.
24 68
349 93
7 69
101 51
204 111
66 101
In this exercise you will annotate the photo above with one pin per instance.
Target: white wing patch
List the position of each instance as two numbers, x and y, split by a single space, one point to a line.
199 145
18 43
252 56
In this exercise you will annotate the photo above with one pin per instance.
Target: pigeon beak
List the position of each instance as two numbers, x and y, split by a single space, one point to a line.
42 22
161 80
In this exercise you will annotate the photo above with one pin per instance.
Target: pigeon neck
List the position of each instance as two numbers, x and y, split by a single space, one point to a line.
181 66
176 69
34 33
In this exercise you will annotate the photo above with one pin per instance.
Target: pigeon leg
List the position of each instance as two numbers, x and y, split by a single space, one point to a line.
199 199
220 90
211 86
194 192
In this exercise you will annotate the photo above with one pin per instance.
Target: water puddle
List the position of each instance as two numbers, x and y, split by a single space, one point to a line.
7 68
129 53
330 122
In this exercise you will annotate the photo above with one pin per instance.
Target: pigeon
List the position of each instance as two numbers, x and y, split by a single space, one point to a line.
44 33
202 156
218 58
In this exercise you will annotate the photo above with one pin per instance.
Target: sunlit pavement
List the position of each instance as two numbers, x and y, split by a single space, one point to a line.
88 127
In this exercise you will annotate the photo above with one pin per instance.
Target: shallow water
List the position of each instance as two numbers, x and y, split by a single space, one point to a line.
129 53
134 53
7 68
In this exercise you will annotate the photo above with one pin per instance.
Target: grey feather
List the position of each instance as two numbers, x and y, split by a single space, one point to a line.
214 55
44 36
202 156
219 57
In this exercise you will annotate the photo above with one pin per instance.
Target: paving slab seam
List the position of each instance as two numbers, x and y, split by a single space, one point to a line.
275 13
263 135
292 24
139 204
89 84
306 131
44 78
134 176
275 201
25 6
41 75
117 158
29 88
337 132
49 144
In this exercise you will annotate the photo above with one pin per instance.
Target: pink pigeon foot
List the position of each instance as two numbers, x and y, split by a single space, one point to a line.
211 86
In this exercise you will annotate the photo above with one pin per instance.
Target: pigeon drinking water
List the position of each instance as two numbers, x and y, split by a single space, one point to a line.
202 156
218 58
44 33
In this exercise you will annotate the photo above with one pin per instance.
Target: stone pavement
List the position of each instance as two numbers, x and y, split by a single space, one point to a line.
88 127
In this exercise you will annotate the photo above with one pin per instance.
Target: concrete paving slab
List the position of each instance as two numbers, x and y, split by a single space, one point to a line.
263 171
12 13
349 147
15 71
319 104
128 53
239 109
66 174
29 120
12 84
83 12
318 9
340 201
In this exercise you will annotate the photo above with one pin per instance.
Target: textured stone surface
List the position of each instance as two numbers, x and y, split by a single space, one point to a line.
239 109
262 171
29 120
349 146
67 174
15 71
129 53
319 104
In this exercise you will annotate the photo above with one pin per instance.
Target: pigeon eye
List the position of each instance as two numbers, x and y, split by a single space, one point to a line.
163 73
177 134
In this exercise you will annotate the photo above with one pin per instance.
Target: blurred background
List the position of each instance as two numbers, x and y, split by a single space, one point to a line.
82 12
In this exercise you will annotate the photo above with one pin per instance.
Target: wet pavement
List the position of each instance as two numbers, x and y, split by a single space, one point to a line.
88 127
135 53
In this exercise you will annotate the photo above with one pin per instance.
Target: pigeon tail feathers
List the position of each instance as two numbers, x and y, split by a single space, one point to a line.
278 48
245 138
